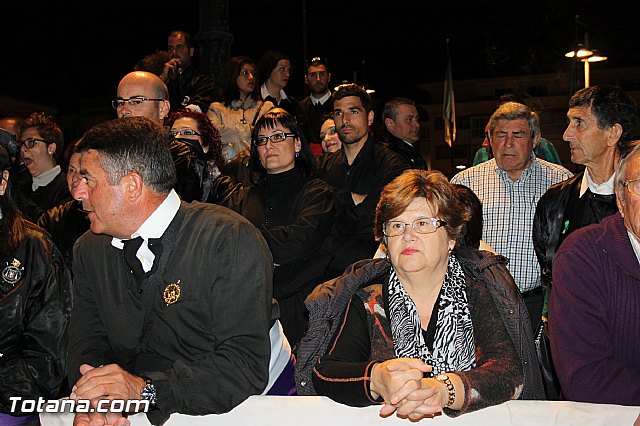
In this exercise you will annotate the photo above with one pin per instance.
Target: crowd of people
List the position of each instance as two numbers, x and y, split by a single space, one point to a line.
220 239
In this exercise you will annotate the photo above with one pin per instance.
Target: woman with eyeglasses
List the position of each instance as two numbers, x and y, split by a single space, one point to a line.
45 186
294 211
240 108
429 328
35 305
199 140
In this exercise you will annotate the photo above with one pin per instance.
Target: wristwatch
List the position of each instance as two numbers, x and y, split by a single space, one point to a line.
148 392
452 391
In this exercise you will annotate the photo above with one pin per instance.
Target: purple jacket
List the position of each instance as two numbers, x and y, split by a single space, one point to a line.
595 315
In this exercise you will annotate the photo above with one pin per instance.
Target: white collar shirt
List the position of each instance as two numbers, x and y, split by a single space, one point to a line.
153 227
605 188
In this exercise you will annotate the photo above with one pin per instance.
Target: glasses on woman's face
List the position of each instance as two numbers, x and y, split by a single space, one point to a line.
183 132
274 138
633 185
423 225
29 143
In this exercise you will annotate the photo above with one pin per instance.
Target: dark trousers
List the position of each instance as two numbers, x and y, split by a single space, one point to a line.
534 300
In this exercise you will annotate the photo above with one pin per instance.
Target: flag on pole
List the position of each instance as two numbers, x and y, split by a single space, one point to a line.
449 104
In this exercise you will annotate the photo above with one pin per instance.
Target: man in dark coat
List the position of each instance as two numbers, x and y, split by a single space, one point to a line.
402 124
188 87
318 104
172 301
357 172
601 124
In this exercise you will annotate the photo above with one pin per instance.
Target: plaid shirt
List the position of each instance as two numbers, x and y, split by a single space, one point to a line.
508 208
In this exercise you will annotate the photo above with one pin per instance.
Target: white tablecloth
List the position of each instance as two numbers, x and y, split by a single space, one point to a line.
321 411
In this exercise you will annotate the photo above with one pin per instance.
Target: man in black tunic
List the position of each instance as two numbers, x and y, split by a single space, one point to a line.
172 301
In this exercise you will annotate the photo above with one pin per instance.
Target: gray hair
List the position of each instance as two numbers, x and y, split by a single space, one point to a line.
132 144
515 111
391 107
633 149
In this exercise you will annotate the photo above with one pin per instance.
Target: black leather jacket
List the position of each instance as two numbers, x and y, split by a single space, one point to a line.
35 304
407 152
191 169
191 87
65 224
551 224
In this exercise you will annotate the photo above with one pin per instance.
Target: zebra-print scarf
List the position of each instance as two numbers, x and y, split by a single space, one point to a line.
453 347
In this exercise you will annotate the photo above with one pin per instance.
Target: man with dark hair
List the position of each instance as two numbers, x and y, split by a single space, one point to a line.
319 103
601 124
188 87
402 124
358 172
509 186
172 301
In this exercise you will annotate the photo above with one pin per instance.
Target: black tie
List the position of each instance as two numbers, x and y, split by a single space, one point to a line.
130 249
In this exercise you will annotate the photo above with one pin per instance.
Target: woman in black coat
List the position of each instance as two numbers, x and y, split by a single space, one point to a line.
293 210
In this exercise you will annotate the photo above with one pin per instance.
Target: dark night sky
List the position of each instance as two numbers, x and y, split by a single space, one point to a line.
59 53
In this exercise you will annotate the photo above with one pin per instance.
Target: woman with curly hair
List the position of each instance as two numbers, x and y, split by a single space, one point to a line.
199 142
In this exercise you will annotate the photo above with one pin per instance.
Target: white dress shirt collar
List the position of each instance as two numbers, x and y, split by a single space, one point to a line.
605 188
153 227
265 92
321 100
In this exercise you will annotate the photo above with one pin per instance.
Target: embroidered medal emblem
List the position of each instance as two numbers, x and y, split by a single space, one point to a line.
12 272
171 293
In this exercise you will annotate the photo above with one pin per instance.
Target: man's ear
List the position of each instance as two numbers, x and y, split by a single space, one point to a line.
613 134
389 123
133 186
165 106
536 139
370 117
191 50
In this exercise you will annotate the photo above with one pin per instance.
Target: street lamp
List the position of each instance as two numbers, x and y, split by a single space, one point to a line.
585 55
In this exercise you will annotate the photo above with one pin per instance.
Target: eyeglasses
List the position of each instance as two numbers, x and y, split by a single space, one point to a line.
424 225
275 138
133 102
29 143
184 132
632 185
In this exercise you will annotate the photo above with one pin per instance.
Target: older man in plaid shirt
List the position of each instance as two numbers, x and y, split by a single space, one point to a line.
509 187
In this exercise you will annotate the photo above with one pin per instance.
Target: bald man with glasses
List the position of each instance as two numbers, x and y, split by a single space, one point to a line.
143 94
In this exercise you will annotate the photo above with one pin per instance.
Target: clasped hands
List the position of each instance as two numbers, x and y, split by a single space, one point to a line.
105 382
401 383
